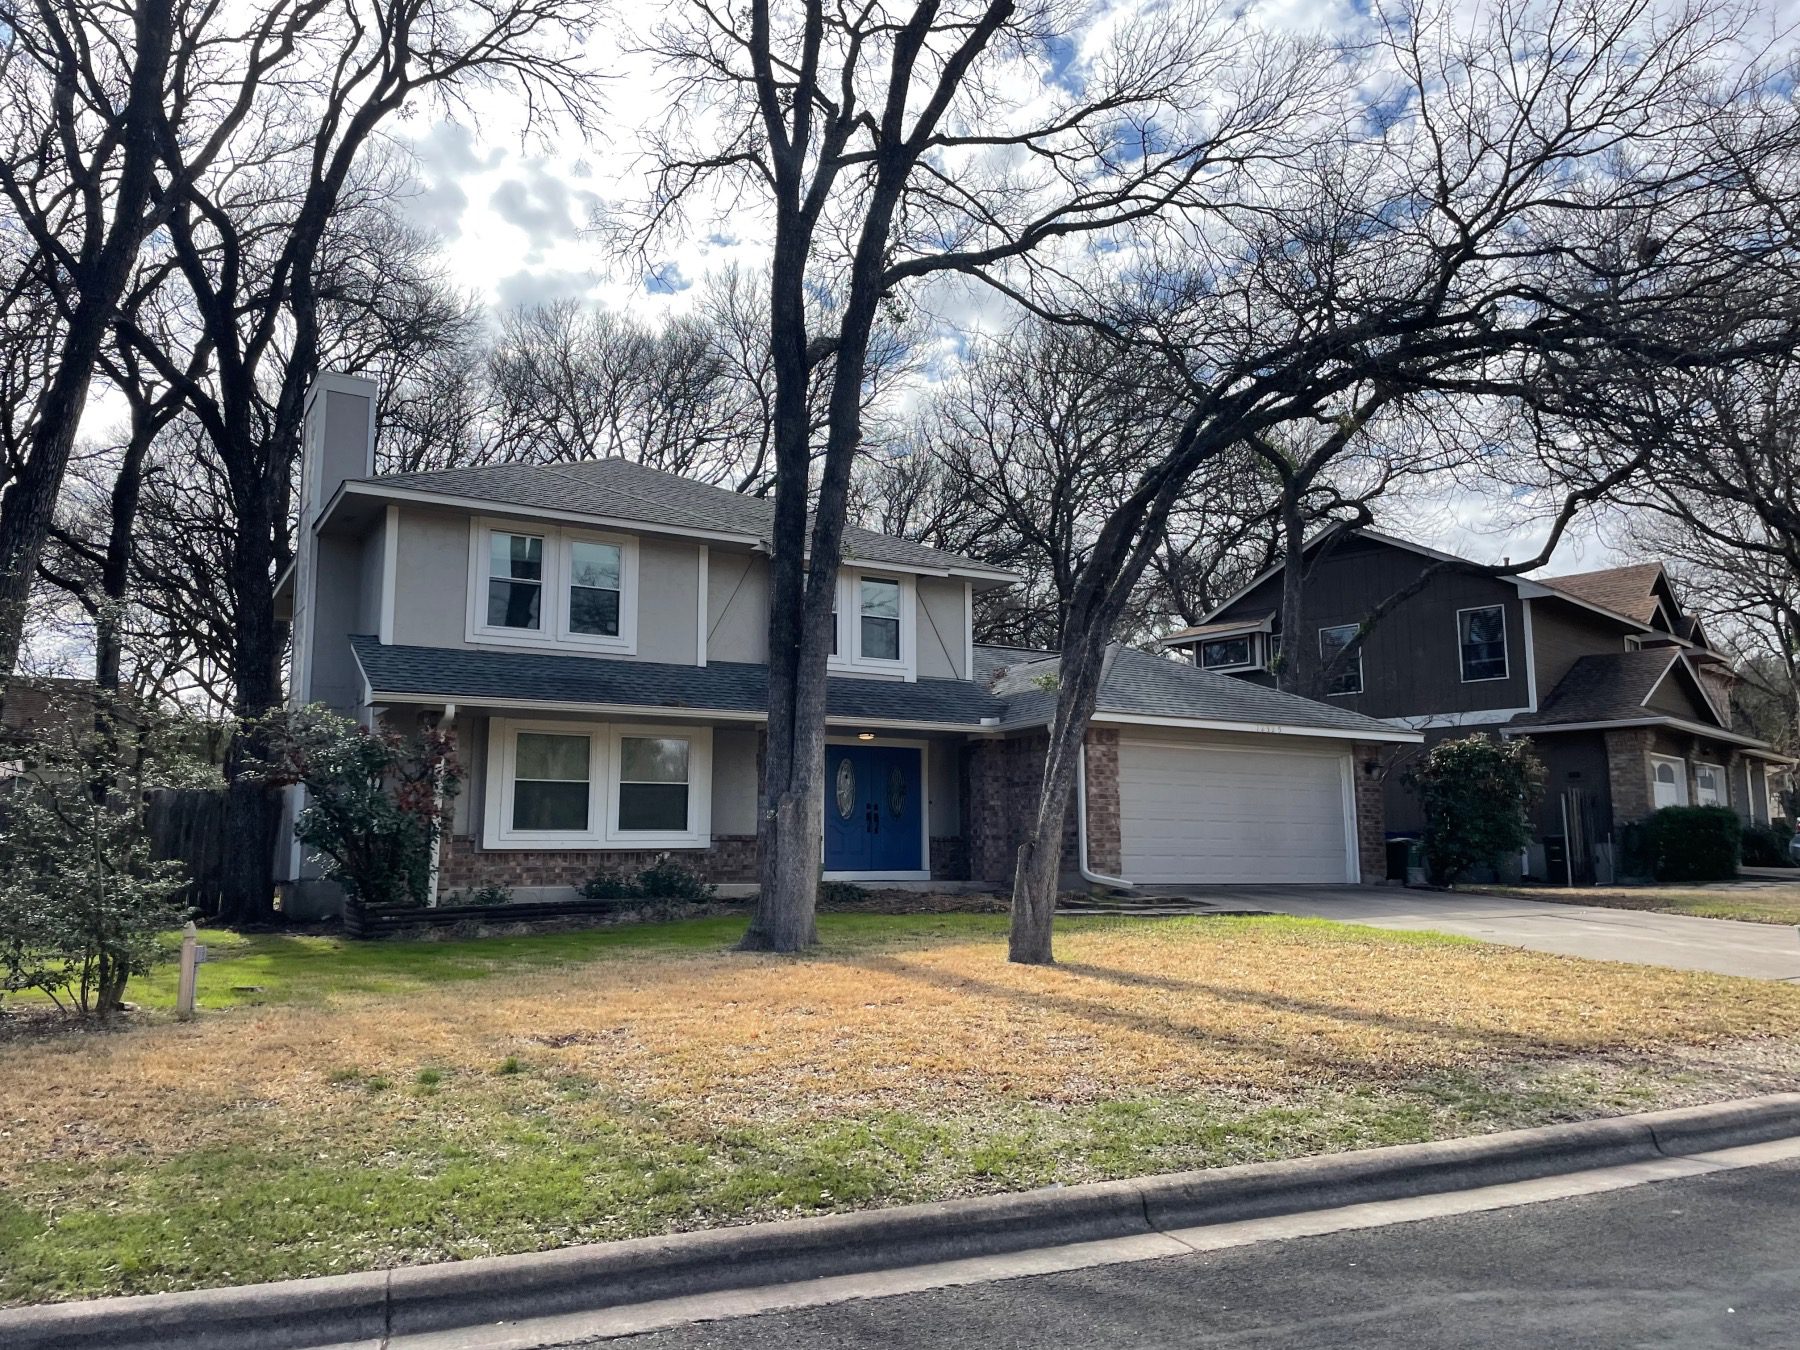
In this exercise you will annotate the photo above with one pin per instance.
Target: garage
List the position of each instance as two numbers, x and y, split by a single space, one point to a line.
1199 812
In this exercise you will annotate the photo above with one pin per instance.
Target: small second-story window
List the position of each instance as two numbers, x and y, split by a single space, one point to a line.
515 596
879 612
1347 676
1482 634
1224 653
594 588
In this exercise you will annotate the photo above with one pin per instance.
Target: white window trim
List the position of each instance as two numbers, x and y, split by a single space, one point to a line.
699 831
1341 693
849 659
553 633
1681 779
603 787
502 760
1724 786
1505 646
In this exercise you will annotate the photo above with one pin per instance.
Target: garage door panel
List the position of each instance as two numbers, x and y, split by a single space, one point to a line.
1193 813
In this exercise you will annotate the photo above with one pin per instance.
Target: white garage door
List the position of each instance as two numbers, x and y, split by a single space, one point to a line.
1191 813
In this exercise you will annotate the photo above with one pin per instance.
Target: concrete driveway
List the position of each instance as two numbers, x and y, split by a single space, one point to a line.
1725 946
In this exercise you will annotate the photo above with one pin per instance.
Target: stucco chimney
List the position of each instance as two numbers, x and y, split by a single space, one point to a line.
337 439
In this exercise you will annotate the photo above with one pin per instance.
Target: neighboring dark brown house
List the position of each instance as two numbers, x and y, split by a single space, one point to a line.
1627 703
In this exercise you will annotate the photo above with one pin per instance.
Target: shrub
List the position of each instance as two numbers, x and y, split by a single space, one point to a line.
841 893
611 886
1767 846
83 901
375 801
665 879
1477 794
669 879
1693 843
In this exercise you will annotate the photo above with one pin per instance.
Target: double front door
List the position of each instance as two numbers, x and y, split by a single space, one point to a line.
874 810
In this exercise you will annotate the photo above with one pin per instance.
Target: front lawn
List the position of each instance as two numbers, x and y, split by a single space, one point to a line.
1754 902
367 1105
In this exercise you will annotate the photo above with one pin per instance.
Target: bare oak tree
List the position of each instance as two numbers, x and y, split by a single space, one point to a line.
1535 200
892 143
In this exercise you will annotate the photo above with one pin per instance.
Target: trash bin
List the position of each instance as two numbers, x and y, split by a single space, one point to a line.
1399 854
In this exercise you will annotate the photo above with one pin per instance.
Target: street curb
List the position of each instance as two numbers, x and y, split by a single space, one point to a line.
410 1300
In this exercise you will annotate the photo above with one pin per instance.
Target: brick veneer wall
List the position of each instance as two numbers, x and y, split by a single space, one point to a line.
1002 781
732 858
1371 813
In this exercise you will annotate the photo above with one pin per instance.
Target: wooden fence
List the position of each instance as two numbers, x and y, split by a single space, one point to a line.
188 825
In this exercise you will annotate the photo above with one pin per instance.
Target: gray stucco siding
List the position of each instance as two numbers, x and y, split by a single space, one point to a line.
334 677
943 620
734 780
737 607
431 578
431 589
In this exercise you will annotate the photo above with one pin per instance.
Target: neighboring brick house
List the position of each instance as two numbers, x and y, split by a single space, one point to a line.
595 634
1618 688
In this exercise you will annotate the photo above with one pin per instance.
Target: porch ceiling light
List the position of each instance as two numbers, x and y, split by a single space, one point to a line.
865 735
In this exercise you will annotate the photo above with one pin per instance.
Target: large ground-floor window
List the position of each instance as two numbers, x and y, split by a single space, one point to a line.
553 784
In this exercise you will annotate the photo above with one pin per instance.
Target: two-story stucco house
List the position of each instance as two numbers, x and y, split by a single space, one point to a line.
595 634
1626 702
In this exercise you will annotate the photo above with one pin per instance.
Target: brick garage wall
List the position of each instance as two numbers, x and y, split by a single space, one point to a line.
1002 781
732 858
1371 813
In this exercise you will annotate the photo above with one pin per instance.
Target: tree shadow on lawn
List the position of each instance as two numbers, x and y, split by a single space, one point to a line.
1289 1051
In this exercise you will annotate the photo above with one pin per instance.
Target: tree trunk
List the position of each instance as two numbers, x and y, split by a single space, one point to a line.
1299 659
251 810
1038 872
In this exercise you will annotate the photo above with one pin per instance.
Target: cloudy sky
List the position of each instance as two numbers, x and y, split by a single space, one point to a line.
517 219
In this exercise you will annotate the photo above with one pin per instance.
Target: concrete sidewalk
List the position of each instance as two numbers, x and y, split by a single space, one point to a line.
1724 946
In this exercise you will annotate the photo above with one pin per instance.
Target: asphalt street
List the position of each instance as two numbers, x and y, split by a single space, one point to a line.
1710 1261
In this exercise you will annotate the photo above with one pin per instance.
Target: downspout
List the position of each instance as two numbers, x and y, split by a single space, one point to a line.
1081 829
437 818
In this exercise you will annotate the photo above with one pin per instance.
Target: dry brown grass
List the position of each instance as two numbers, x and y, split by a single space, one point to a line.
720 1040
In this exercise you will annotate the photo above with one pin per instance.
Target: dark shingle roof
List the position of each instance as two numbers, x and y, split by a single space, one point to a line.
1014 687
1630 591
1610 687
455 673
1138 683
624 490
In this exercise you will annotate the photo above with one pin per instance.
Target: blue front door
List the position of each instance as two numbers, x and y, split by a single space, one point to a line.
872 809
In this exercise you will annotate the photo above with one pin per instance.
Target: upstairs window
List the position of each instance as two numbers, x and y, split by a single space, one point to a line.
553 587
1231 653
1481 635
515 589
594 571
1347 678
880 617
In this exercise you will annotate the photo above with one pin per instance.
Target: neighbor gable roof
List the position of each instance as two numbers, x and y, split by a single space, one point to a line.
1529 588
623 491
1631 590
